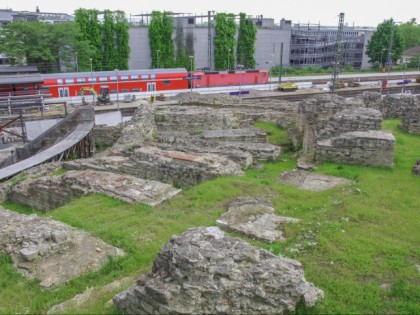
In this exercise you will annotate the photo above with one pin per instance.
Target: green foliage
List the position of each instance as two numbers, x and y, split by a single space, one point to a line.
378 45
411 33
47 46
109 39
162 46
224 41
246 42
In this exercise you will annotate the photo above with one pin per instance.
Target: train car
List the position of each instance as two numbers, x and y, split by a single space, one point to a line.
123 81
228 78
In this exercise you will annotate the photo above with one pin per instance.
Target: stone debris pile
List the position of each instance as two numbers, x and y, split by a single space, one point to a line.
50 192
255 218
48 250
205 271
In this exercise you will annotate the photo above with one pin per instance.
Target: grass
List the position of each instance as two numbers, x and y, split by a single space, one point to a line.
367 235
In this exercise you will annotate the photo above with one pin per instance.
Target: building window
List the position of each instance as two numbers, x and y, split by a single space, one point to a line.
191 21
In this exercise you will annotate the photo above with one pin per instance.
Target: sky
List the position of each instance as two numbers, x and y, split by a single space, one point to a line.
357 12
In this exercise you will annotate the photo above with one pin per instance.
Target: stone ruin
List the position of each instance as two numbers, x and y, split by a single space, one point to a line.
255 218
411 122
344 131
205 271
50 192
47 250
416 168
311 181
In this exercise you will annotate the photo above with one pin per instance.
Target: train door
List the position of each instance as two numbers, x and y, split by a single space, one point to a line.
151 86
63 92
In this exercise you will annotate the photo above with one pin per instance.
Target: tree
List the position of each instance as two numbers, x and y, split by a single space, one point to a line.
411 32
246 42
162 46
378 45
47 46
122 39
224 40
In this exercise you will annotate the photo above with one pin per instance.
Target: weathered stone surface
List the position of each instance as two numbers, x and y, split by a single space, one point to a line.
106 135
416 168
50 251
48 193
152 163
312 181
242 135
391 106
411 121
205 271
256 218
373 148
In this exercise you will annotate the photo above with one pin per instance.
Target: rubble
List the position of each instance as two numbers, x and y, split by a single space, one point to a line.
255 218
50 251
205 271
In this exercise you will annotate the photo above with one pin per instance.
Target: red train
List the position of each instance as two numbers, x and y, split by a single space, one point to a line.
132 81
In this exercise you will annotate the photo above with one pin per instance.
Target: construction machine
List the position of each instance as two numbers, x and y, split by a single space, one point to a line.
102 98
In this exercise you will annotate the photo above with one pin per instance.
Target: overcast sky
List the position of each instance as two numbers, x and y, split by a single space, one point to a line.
359 12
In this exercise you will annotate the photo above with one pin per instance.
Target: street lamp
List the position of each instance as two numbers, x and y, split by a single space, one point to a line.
191 76
157 58
240 77
91 79
228 59
118 100
380 63
77 64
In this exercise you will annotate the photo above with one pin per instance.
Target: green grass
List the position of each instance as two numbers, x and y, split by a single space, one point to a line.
367 235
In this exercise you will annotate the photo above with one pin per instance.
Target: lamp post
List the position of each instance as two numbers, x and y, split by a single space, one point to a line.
91 79
77 64
118 99
191 75
240 78
228 59
269 72
380 63
157 58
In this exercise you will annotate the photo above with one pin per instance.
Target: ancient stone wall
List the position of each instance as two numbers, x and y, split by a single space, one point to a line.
391 106
411 121
373 148
106 135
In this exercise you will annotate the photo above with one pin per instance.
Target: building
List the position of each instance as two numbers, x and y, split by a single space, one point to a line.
315 45
8 16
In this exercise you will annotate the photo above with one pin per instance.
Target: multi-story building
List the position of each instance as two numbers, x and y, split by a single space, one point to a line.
315 45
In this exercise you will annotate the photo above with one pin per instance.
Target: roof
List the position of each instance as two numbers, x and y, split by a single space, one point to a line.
412 52
20 78
17 69
112 73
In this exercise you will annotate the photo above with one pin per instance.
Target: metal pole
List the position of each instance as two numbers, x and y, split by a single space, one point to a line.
281 61
390 48
118 99
91 80
77 64
403 85
191 76
338 52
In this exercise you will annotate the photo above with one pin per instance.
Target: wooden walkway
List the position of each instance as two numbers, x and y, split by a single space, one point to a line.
77 143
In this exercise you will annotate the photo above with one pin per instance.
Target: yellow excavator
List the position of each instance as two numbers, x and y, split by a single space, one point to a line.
102 99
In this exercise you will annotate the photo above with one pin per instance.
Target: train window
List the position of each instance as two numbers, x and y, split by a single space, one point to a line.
153 76
144 76
166 82
124 78
135 90
44 89
103 79
134 77
125 90
80 80
60 81
113 91
113 78
91 79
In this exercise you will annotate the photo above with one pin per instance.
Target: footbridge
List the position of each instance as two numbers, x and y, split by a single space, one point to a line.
70 138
